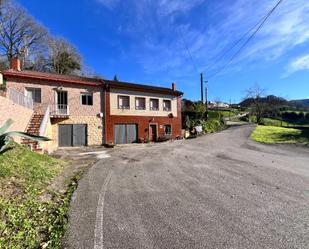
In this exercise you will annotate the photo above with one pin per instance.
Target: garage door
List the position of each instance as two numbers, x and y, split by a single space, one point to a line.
125 133
72 135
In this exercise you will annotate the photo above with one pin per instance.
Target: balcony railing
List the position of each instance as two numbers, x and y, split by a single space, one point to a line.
59 110
20 99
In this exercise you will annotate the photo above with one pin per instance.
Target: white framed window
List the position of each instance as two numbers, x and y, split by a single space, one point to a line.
154 104
167 105
123 102
167 129
140 103
35 94
86 99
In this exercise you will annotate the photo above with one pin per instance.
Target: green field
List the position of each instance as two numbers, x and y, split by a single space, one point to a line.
223 113
30 215
279 123
279 135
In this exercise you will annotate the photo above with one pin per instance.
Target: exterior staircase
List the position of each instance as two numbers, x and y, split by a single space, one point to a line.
34 129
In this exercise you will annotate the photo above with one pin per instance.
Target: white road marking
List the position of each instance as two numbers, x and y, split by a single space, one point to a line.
98 231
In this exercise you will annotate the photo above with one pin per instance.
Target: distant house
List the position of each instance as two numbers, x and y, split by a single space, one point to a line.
80 111
217 104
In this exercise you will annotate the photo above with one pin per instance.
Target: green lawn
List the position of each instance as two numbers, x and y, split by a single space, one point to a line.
28 219
276 122
279 135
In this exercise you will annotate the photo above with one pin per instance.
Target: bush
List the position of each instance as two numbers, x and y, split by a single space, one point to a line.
214 115
211 126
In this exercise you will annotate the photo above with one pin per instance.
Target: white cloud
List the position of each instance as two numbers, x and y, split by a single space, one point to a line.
153 26
110 4
166 7
298 64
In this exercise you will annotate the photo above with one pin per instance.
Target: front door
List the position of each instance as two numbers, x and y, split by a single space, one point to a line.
153 132
62 103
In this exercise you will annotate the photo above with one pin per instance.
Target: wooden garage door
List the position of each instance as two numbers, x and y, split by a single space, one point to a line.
72 135
125 133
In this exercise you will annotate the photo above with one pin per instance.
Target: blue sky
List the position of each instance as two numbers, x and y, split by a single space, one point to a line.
140 41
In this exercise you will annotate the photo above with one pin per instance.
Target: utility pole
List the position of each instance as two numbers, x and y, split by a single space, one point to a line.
206 99
230 111
202 88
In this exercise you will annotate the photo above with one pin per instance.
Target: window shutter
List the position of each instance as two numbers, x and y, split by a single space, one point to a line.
37 95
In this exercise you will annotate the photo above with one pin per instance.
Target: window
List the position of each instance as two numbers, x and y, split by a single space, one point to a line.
140 103
86 98
167 129
34 93
123 102
154 104
167 106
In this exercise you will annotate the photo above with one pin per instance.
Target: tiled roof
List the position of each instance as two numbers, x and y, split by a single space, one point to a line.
141 87
89 81
53 77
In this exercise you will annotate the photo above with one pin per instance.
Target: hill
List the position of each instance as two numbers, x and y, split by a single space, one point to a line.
301 102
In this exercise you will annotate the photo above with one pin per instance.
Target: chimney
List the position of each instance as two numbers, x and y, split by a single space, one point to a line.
174 86
15 64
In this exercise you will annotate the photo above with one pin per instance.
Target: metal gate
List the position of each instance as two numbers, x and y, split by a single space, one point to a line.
72 135
125 133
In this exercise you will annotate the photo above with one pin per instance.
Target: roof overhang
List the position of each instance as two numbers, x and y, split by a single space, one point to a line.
47 78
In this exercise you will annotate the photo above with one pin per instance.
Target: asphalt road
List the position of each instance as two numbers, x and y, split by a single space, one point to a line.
218 191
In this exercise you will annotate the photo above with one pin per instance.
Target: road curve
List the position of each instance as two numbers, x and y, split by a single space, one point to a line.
217 191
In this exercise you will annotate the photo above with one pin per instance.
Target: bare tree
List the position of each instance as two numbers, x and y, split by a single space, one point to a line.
20 34
258 106
63 57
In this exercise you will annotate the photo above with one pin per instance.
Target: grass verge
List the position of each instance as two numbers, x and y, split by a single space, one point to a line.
279 135
31 216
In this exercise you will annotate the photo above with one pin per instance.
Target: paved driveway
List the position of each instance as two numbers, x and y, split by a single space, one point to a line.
216 191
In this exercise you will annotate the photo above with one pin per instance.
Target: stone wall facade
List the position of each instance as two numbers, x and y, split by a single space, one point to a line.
94 128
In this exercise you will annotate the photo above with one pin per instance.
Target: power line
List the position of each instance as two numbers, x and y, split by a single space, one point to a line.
248 40
188 50
227 48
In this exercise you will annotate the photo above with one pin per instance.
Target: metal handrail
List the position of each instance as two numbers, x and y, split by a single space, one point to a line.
59 110
20 99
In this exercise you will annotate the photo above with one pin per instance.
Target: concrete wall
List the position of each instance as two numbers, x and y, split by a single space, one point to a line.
19 114
49 146
114 93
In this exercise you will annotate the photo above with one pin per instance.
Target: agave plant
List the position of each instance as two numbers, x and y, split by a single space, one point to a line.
6 136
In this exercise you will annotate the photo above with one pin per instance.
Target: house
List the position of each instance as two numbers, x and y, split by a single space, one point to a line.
80 111
217 104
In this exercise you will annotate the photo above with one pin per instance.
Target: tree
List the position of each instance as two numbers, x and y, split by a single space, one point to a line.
1 6
63 57
20 35
116 78
257 106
